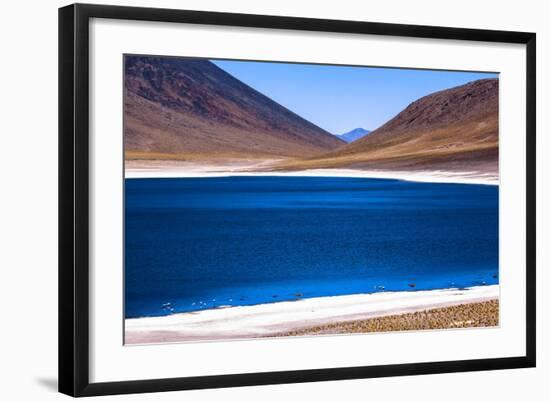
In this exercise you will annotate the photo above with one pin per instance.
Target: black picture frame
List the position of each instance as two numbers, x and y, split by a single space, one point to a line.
74 198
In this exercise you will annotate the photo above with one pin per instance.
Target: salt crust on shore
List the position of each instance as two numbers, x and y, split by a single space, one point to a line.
192 170
269 319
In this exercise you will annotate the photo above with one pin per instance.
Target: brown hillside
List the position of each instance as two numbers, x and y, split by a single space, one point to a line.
177 107
454 129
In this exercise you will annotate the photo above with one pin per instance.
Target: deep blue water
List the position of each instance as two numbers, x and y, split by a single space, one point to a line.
199 243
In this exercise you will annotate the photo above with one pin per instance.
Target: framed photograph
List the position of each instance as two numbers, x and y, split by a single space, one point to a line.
250 199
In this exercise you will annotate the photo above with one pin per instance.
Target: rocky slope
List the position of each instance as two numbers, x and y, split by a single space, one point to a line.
454 129
178 108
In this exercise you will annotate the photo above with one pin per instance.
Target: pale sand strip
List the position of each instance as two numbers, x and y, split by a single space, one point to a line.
269 319
189 170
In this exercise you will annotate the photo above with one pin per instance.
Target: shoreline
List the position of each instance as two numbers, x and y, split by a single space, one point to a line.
470 315
274 319
134 170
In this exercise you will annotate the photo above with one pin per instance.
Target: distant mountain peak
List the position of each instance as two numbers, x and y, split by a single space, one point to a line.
354 134
455 129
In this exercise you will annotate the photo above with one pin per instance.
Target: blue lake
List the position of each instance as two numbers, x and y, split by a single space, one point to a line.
199 243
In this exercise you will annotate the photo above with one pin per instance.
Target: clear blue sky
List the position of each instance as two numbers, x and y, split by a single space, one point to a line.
340 99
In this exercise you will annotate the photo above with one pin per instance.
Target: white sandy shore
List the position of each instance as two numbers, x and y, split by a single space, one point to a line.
201 170
269 319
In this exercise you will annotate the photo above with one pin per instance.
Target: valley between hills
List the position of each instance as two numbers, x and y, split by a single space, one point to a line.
190 117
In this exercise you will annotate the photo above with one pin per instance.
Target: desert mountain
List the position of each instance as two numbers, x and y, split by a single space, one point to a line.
177 107
454 129
353 135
